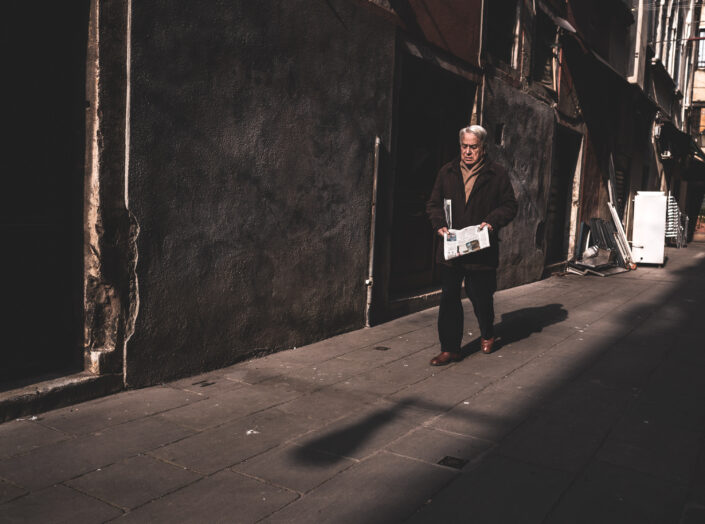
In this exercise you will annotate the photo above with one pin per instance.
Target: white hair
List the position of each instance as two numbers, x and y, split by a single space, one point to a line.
479 131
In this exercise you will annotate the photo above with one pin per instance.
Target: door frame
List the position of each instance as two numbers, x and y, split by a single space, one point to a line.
385 306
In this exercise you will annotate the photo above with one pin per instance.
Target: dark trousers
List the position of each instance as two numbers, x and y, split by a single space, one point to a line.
479 287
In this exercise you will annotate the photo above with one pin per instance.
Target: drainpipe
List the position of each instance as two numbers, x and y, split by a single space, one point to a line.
373 219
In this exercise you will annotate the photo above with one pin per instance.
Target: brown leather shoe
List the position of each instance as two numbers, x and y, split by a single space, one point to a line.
445 357
486 344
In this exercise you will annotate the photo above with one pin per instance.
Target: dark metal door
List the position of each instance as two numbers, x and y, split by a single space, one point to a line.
44 66
566 150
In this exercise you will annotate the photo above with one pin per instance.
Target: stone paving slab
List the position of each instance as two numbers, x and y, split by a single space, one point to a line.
623 369
658 450
289 467
9 491
67 459
542 376
231 405
375 335
432 446
552 441
395 348
328 372
490 415
226 445
383 354
256 371
317 352
133 481
584 348
20 436
498 490
687 413
612 495
57 504
224 497
391 377
363 433
499 363
207 385
324 406
442 390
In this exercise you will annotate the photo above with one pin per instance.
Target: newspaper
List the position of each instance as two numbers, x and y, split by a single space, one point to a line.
459 242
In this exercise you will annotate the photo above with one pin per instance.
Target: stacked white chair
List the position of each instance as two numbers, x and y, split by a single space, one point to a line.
675 228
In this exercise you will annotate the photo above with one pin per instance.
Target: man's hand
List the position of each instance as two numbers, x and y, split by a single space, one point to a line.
487 225
442 232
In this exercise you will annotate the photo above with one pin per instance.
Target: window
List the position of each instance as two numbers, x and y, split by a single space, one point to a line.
501 31
542 67
701 48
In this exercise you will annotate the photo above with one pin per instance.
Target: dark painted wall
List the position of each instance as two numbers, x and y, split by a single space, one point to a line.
252 139
525 152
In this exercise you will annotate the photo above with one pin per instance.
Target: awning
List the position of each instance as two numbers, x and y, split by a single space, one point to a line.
678 143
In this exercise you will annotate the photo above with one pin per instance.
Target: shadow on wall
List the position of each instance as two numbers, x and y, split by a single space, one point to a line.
607 381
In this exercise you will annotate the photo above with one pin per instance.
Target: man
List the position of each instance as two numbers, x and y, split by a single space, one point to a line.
481 193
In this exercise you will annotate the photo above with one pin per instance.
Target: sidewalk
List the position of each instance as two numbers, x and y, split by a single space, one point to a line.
591 410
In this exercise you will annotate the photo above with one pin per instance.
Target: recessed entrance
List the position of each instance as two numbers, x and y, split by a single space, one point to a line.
434 105
41 212
566 150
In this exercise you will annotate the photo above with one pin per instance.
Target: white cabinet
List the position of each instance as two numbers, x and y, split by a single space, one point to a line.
649 231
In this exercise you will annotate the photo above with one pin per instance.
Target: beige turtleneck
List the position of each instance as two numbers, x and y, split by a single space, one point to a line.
470 175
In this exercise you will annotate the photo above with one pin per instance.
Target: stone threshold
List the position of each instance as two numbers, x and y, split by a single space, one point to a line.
55 393
556 267
400 306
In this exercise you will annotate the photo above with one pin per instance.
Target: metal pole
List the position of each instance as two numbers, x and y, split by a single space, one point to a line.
373 219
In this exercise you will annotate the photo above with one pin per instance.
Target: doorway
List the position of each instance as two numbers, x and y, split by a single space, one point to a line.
433 105
41 219
566 150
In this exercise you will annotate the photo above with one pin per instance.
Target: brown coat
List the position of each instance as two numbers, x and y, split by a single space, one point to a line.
492 200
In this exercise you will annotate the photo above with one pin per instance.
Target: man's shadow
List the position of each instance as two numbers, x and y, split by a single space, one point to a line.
520 324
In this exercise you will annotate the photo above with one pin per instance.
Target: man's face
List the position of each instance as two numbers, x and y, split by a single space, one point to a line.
470 149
